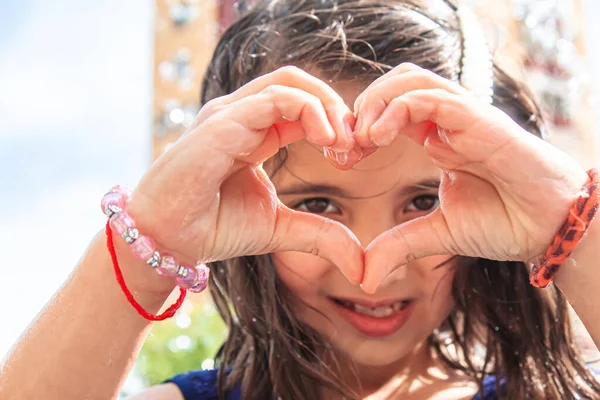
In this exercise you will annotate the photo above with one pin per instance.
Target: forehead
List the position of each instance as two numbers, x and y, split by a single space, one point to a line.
403 162
350 90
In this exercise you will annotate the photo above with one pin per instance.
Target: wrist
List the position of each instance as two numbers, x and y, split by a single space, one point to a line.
117 204
586 254
148 287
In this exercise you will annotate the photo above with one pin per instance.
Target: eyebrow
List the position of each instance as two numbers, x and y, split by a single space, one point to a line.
303 188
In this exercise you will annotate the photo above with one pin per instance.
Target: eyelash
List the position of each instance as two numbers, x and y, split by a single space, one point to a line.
299 205
303 204
425 196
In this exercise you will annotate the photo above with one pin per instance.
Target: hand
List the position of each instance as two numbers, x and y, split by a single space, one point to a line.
208 197
504 192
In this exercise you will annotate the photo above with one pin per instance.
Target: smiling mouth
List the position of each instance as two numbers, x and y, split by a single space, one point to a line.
374 312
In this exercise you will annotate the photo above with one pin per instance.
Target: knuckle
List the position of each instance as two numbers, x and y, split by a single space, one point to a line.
405 246
407 66
399 236
441 92
209 109
367 97
213 105
324 230
397 102
423 75
372 99
312 102
288 73
273 90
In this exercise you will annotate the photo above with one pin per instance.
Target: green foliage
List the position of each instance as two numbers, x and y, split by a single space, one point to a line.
182 343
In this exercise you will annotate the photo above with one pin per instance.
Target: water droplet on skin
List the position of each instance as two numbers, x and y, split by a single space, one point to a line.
341 157
253 319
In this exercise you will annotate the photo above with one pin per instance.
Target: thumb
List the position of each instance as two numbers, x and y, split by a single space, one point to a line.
418 238
323 237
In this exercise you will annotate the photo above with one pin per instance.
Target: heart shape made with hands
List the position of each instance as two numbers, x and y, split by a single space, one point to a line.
488 207
224 205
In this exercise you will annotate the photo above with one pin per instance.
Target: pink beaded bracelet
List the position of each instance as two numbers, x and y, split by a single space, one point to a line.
114 205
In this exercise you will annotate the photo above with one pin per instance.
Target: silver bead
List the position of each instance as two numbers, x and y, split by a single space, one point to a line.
198 287
130 235
155 260
182 271
111 210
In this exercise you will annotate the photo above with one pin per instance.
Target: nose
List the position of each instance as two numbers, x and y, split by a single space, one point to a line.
367 225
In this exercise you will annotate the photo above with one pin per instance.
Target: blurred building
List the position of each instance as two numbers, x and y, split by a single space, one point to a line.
541 41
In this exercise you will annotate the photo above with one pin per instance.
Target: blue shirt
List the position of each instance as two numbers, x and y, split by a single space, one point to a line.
202 385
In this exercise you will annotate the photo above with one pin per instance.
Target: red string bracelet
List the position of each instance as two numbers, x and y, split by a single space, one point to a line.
168 313
581 215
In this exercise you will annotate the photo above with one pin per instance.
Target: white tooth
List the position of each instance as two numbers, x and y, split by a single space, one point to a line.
378 312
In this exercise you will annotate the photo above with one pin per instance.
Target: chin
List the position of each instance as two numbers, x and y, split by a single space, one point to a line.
372 357
378 352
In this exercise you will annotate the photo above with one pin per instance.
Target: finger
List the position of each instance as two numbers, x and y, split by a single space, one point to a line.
324 237
397 70
380 96
421 113
336 110
250 130
271 119
421 237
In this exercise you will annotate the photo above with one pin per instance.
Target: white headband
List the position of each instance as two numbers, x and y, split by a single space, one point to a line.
476 65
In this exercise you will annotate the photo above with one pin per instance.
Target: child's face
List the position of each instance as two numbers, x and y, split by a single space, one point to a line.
393 185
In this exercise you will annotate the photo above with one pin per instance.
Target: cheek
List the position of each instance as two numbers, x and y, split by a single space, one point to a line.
302 273
437 287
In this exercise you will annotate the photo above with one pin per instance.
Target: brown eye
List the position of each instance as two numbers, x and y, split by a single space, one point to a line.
317 205
424 203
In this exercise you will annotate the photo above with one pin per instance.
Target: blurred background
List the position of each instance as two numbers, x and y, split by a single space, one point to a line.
92 92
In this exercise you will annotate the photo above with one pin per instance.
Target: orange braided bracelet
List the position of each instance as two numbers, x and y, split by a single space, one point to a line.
581 215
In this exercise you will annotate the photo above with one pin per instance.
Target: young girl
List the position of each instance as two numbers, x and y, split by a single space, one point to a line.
368 223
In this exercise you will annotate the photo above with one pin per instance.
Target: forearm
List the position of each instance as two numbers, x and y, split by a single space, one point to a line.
579 280
83 344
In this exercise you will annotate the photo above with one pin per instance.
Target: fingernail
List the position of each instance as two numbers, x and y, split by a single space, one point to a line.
370 292
328 153
378 142
349 130
357 154
341 157
381 140
443 134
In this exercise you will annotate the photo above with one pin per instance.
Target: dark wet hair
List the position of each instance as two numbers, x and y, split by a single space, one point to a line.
500 324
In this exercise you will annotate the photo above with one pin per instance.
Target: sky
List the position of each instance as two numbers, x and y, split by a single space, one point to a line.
75 119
